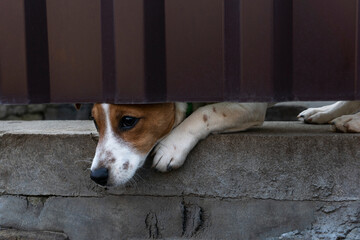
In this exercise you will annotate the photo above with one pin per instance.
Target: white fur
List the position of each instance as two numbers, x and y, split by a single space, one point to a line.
340 114
112 147
347 123
328 113
172 151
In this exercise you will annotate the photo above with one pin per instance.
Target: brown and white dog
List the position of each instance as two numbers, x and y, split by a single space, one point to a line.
128 133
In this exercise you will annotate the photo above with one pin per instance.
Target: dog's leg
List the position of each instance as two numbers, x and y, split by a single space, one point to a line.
347 123
172 151
327 113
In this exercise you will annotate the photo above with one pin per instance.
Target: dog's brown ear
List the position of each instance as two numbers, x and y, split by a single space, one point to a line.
77 106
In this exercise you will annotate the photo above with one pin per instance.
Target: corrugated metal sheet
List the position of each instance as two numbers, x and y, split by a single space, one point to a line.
178 50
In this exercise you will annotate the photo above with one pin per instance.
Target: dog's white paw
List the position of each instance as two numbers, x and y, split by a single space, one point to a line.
317 115
172 151
347 123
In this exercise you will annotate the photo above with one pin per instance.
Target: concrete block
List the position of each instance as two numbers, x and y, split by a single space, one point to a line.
3 111
17 110
32 117
12 234
141 217
12 118
36 108
67 112
280 181
288 161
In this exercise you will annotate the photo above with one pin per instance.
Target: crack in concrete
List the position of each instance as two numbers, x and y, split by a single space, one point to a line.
347 233
192 219
31 200
151 223
335 222
47 196
179 196
14 233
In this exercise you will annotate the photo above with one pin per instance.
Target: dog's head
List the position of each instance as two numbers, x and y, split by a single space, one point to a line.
127 133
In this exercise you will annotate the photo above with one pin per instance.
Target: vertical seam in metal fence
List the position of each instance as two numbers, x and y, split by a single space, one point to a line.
1 93
37 51
108 51
232 49
283 50
155 59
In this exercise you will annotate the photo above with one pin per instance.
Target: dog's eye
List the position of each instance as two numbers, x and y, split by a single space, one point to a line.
127 122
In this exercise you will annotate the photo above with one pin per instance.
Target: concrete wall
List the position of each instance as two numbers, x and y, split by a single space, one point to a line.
281 181
44 112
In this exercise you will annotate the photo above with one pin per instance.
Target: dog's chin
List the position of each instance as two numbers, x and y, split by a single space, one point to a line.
120 180
120 184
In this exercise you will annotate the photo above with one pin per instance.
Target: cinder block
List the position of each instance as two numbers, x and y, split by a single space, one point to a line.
287 180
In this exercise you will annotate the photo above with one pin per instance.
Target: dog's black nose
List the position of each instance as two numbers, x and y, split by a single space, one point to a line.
100 176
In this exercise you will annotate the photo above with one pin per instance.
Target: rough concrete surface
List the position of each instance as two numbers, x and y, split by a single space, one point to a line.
44 112
12 234
280 181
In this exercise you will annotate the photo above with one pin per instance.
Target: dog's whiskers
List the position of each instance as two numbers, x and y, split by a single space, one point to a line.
138 178
79 161
132 183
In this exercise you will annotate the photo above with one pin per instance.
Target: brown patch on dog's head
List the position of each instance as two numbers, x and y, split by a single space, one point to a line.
155 121
98 114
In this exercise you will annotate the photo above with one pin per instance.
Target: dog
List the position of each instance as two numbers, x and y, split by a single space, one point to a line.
128 133
343 116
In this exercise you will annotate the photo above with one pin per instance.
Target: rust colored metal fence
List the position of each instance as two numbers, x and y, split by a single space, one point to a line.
178 50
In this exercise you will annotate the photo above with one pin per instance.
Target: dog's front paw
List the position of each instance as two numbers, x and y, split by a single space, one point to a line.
347 123
172 151
317 115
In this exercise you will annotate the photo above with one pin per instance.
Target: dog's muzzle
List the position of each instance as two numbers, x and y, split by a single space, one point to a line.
100 176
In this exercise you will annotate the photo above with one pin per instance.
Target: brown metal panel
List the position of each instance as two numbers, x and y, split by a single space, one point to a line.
108 50
195 49
232 43
257 49
155 57
37 51
13 77
357 60
283 51
129 45
74 29
188 50
324 49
